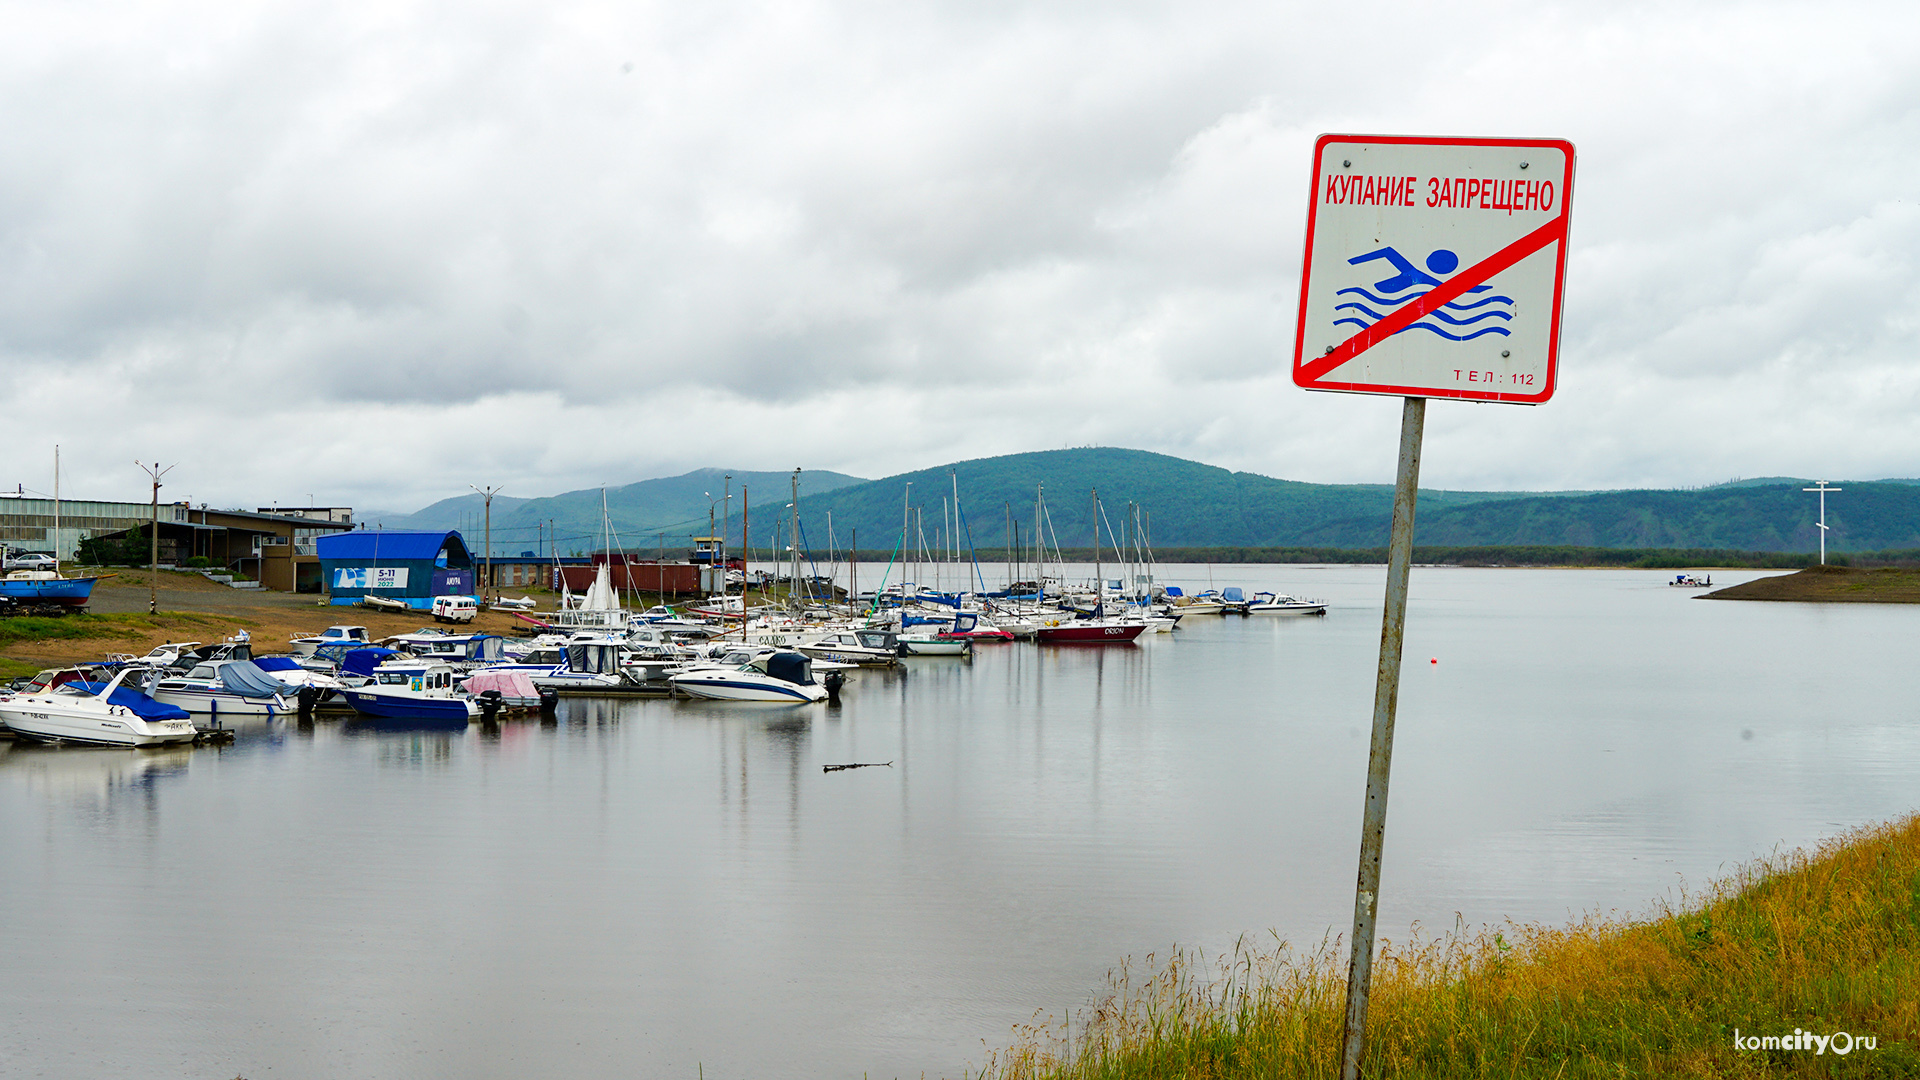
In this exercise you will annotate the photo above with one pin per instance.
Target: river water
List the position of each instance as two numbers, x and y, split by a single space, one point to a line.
661 888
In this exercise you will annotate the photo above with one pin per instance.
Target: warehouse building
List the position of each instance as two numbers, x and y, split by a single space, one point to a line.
411 567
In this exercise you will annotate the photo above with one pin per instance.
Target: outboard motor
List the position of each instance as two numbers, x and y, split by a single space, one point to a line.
549 699
833 681
309 696
489 706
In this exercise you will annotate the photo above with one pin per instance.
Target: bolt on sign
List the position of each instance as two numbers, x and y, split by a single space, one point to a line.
1435 267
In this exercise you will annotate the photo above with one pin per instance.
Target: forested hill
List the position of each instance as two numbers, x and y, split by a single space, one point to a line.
1185 503
1189 504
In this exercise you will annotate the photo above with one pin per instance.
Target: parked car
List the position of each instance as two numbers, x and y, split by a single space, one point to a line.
33 561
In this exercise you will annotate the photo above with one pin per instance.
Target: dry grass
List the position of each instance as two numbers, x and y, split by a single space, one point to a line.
1826 941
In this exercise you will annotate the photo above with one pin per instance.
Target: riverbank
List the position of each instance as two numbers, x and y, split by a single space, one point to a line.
1832 585
1825 942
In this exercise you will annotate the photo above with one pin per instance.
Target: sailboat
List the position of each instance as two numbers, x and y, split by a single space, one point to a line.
1097 630
600 608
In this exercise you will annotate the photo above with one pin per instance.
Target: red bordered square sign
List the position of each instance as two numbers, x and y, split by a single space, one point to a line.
1435 267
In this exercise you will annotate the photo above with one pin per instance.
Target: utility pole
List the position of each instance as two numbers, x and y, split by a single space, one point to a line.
1823 489
153 533
488 494
726 522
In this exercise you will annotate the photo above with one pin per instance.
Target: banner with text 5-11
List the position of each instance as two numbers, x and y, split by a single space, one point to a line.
1435 267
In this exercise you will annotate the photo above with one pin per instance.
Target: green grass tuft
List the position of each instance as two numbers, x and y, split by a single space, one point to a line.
1827 941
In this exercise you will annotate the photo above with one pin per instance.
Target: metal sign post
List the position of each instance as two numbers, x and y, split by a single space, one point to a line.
1434 268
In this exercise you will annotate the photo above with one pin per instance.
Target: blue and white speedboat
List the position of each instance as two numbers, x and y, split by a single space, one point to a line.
780 676
100 713
401 689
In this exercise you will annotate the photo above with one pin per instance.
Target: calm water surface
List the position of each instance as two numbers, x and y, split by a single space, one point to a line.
662 888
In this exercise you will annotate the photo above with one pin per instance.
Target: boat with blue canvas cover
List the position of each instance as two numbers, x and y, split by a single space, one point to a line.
223 688
96 713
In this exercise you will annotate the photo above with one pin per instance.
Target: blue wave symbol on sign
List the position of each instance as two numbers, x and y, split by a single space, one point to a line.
1412 283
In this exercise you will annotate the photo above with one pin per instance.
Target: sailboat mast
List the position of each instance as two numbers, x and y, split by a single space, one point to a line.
56 508
1099 585
793 526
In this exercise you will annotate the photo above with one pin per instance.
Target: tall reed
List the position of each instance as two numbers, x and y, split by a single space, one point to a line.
1822 941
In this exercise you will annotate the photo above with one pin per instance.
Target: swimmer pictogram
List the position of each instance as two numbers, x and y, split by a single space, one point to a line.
1453 321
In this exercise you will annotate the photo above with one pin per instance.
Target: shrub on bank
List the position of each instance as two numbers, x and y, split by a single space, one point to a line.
1823 943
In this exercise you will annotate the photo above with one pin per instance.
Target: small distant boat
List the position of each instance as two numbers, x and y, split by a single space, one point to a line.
525 603
1688 581
776 677
1266 603
1233 601
101 714
381 603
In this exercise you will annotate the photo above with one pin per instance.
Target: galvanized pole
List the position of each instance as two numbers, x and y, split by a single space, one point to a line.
1373 827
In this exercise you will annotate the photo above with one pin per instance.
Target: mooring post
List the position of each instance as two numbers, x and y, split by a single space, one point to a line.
1386 694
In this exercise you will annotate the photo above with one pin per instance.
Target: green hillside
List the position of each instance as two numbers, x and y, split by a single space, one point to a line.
1187 505
1186 502
675 506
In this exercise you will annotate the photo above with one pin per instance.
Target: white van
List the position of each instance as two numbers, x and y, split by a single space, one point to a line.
455 608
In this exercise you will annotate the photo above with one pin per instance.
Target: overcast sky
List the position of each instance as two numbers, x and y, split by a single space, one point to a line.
372 253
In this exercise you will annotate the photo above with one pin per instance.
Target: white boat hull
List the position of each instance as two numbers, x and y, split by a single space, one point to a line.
39 718
217 703
739 686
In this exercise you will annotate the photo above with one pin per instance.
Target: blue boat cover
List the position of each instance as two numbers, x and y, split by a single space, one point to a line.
363 661
791 667
1174 590
1232 594
275 663
245 678
138 703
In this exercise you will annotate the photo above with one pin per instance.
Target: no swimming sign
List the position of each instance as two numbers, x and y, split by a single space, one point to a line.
1435 267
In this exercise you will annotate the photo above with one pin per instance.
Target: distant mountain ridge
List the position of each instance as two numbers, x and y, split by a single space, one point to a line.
1183 504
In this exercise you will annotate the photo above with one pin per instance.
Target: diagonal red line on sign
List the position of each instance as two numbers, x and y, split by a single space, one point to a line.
1477 274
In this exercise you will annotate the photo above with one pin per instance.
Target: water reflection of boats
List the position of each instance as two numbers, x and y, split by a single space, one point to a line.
90 771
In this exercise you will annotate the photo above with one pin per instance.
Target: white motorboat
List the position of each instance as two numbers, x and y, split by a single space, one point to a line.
1266 603
104 714
924 644
785 677
332 635
870 648
1688 581
223 688
588 660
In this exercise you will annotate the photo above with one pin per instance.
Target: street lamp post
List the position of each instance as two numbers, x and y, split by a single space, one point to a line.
487 560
